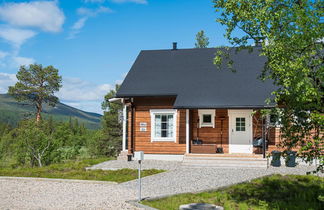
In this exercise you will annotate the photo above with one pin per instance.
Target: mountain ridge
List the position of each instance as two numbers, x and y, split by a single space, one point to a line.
12 112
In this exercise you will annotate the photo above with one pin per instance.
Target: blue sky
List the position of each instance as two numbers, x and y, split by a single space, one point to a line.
93 43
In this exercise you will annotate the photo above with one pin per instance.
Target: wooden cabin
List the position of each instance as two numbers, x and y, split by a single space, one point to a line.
177 102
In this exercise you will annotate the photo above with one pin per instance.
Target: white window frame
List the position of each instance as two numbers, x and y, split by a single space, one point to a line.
154 112
211 112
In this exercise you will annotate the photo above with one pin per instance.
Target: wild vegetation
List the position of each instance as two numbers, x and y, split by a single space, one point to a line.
41 141
76 169
272 192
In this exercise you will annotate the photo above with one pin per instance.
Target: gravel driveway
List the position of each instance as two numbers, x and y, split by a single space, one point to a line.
34 193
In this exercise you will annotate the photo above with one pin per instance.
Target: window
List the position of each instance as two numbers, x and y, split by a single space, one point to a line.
206 118
163 125
240 124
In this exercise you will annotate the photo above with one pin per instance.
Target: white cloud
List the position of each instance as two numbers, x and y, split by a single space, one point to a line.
132 1
79 24
3 54
75 89
15 36
45 15
6 80
20 61
83 95
85 14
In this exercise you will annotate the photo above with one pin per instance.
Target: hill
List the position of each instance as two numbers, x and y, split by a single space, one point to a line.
11 112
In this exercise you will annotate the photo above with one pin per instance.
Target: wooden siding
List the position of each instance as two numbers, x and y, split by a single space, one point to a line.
142 139
211 137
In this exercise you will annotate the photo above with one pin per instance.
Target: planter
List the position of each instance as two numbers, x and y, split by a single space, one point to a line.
276 158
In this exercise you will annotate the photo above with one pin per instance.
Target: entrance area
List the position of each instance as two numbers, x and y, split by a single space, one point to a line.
240 131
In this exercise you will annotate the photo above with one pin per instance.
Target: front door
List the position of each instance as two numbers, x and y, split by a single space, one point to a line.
240 131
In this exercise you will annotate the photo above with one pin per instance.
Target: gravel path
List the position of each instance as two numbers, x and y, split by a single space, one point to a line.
34 193
199 179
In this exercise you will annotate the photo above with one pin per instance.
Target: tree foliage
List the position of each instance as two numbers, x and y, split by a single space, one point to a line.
201 40
111 138
37 144
37 84
291 35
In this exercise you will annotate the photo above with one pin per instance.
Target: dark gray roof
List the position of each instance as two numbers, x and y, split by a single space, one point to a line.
191 76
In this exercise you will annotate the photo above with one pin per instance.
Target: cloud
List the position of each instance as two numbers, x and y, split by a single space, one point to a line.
3 54
83 94
20 61
15 36
75 89
6 80
79 24
85 14
44 15
132 1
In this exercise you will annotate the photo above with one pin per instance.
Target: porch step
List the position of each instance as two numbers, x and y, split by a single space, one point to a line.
224 162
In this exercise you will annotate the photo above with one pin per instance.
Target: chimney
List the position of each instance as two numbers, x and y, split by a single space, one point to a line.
174 46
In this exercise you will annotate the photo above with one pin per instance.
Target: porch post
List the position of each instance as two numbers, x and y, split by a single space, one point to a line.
124 127
187 131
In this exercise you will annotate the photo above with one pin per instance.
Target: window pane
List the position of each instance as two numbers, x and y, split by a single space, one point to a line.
163 126
157 125
207 118
240 124
164 133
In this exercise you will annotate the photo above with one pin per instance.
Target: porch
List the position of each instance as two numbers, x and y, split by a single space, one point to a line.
223 131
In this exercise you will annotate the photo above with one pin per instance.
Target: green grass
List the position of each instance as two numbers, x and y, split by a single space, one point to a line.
76 170
272 192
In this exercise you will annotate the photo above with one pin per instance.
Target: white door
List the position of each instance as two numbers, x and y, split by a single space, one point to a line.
240 131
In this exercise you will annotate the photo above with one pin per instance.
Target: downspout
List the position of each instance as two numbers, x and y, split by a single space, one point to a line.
132 126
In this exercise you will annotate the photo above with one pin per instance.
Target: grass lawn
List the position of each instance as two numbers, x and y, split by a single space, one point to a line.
76 170
272 192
